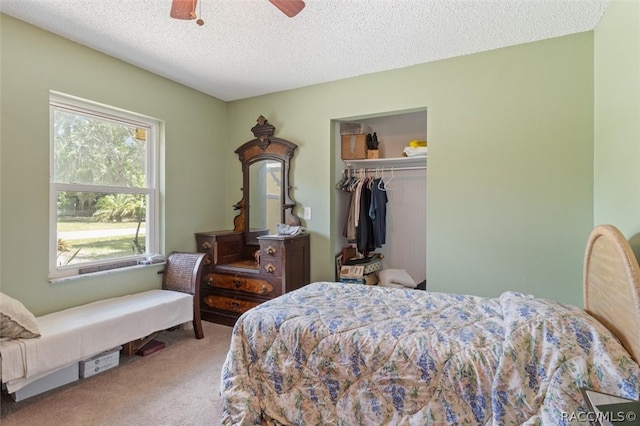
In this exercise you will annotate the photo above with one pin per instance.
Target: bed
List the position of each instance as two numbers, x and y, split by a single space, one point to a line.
340 354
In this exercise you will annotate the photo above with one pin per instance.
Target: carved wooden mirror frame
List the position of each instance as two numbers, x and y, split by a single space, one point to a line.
265 147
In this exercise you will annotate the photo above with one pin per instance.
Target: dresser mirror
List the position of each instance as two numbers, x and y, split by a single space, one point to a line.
265 195
265 188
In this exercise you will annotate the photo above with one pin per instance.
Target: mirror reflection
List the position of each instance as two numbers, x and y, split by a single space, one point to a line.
265 192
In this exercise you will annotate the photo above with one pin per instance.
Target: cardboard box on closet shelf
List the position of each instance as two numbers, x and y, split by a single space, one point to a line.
373 153
354 147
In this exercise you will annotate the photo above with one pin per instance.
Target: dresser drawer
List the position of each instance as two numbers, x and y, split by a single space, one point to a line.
271 258
229 304
270 268
237 283
270 249
221 248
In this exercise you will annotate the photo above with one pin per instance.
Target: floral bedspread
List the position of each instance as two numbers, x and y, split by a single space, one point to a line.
348 354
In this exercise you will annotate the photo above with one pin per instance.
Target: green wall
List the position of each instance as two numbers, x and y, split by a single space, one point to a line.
617 120
34 62
509 180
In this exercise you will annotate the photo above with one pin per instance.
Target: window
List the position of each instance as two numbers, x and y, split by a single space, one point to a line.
103 187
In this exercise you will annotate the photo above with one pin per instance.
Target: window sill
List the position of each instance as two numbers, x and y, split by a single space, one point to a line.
100 273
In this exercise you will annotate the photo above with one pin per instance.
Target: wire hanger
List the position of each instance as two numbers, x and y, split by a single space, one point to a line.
345 177
385 184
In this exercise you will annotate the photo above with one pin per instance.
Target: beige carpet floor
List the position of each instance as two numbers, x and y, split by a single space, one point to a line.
178 385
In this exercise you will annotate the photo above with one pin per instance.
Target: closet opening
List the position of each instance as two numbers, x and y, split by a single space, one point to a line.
397 169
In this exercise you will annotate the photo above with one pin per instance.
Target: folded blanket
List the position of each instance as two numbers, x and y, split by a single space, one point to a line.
413 152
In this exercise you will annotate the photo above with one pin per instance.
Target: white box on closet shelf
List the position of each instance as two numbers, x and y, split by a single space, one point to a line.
354 129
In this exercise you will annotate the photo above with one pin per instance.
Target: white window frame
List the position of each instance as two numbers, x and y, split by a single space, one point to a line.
73 104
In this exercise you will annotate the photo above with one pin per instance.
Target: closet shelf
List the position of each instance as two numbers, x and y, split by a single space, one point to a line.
388 162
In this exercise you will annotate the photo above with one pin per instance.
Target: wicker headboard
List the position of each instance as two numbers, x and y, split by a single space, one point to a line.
612 286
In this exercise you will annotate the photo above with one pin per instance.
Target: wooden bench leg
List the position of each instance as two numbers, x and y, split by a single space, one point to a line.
197 325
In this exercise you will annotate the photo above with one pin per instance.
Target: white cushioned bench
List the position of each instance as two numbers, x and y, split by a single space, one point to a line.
73 334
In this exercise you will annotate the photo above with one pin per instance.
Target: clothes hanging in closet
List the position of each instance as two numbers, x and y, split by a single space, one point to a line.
364 230
366 216
378 211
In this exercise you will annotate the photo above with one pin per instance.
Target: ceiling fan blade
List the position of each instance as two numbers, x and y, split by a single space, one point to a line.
183 9
289 7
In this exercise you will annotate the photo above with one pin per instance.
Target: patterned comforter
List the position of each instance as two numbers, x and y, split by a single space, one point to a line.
346 354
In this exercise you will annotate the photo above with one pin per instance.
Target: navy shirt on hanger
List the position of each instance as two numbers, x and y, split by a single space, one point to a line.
378 212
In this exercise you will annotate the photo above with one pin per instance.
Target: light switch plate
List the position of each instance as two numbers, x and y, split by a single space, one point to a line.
307 213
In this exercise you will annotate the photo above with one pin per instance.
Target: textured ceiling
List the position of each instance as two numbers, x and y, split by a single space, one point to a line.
248 47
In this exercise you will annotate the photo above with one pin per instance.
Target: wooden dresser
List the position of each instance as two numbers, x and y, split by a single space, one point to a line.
235 280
